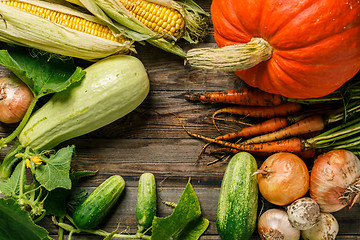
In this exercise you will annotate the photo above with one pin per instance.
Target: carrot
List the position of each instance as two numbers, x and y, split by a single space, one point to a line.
280 110
306 154
286 145
307 125
267 126
243 96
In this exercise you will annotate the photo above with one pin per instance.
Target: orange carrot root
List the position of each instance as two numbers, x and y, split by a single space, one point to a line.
267 126
286 145
307 125
244 96
281 110
307 154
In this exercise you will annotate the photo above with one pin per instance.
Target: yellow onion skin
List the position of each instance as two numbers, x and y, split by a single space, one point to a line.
15 99
331 174
283 178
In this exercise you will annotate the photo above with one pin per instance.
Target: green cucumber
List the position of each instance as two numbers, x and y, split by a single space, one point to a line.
112 88
238 200
97 205
146 201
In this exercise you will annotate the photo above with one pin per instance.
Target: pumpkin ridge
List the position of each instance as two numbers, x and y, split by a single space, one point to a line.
274 68
316 35
327 41
284 25
225 32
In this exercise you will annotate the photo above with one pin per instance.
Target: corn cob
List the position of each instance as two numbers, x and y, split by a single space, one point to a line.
75 34
160 19
67 20
159 22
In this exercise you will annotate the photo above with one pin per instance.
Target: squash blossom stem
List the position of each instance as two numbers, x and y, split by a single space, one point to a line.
21 187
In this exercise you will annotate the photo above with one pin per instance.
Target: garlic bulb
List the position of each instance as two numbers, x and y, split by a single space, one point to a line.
303 213
326 229
274 224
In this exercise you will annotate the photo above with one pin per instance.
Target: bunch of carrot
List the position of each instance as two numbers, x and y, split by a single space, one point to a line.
300 126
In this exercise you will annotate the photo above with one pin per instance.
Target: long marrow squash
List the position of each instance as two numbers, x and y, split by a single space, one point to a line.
238 200
111 88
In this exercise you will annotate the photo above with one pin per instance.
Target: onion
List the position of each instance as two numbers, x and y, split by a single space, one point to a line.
334 180
326 229
303 213
15 99
274 224
283 178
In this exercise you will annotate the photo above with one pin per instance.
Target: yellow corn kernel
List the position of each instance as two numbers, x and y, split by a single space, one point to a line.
66 20
156 17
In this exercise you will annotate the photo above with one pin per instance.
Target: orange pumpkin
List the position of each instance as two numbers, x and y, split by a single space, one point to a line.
314 45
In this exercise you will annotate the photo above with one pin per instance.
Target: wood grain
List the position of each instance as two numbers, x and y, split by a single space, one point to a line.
150 139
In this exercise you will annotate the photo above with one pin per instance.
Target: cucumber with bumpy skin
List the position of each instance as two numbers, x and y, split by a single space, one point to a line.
238 200
97 205
146 201
112 88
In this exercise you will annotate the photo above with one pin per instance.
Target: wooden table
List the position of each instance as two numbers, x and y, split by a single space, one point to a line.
150 140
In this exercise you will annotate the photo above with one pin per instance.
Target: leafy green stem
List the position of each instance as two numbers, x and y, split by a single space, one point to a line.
344 135
9 161
347 92
22 175
98 232
61 230
103 233
40 217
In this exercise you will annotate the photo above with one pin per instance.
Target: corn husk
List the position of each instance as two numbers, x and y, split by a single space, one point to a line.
25 29
113 12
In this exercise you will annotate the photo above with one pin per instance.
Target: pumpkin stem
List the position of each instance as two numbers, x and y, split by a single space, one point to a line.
231 58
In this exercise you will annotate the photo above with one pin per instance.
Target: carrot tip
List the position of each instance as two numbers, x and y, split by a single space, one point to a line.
192 97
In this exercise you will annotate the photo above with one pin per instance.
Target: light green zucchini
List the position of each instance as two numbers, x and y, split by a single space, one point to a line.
112 88
146 201
97 205
238 200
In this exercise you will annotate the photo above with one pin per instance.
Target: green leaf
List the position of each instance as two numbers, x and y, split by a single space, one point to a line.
16 223
60 200
55 202
181 222
54 171
42 72
76 198
11 185
193 230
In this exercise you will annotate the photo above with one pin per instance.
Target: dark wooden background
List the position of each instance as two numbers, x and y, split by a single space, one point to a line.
150 140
